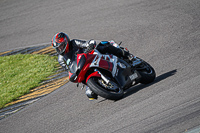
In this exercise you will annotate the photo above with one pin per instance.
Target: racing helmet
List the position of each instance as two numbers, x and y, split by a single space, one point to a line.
60 42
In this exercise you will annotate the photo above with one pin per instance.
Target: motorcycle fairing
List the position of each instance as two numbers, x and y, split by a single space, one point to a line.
94 74
123 73
107 62
120 70
83 61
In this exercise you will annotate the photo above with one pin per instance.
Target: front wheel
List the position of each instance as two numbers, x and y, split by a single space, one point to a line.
109 91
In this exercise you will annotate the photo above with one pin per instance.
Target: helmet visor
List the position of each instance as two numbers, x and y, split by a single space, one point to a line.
61 48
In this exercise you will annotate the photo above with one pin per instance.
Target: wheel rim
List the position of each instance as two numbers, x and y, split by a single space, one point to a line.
111 86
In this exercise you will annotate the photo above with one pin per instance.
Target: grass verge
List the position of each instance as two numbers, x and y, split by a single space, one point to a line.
20 73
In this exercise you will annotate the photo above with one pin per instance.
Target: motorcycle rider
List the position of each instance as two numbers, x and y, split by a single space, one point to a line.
67 48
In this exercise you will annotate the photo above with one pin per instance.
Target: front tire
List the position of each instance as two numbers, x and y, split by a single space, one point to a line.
111 91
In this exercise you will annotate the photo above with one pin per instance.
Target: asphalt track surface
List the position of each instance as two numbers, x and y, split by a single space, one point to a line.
165 33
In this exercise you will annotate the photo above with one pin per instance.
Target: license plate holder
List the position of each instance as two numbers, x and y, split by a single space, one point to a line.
133 76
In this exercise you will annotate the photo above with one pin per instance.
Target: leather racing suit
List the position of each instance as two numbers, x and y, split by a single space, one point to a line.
80 46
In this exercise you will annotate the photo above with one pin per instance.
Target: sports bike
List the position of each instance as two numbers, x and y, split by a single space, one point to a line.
107 75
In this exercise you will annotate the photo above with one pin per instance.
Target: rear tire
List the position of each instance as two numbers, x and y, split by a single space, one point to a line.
98 88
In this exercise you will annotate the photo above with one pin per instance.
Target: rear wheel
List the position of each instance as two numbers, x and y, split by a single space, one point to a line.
109 91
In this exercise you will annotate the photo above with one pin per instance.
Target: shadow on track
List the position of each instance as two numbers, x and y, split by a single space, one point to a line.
139 87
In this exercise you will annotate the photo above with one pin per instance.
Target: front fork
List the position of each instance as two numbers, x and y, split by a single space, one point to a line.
107 81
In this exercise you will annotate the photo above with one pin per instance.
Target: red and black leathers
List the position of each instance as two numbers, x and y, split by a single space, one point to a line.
75 46
80 46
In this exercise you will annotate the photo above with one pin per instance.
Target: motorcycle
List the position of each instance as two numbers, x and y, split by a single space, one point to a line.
107 75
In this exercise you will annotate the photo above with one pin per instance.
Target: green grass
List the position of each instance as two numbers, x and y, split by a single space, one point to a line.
20 73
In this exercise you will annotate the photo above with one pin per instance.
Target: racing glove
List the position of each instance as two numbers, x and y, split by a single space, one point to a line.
91 44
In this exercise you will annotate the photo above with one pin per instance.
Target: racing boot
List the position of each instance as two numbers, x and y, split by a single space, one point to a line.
91 95
124 53
133 60
120 52
115 50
